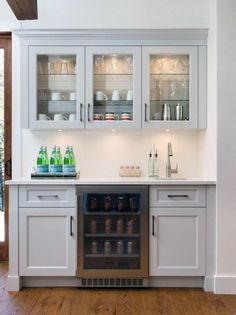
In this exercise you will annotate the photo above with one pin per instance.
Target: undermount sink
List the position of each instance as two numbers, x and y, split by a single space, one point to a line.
169 178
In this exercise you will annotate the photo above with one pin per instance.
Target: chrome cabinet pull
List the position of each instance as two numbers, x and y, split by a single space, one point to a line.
153 225
71 222
48 196
81 112
173 196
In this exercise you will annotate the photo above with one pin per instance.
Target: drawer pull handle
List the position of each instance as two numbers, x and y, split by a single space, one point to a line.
48 196
71 221
153 225
180 196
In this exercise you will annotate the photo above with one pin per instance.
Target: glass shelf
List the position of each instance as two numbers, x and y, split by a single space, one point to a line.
157 73
111 256
112 213
112 235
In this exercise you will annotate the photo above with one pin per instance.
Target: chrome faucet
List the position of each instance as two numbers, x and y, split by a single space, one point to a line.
169 170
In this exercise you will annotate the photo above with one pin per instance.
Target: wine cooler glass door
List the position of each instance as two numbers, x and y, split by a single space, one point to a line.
113 232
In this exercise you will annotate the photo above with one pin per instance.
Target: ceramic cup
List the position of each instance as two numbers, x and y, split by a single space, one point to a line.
72 117
116 95
72 96
100 96
111 116
98 116
129 96
57 117
43 117
125 116
57 96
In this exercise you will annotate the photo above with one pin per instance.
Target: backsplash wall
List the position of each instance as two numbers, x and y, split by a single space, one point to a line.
100 153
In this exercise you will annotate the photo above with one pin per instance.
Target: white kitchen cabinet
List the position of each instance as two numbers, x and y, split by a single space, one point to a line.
113 87
113 79
177 242
173 87
56 87
47 241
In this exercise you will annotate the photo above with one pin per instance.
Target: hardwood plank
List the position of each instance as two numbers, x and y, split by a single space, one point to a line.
50 301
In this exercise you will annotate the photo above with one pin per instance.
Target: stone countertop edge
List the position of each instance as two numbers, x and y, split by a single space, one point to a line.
112 181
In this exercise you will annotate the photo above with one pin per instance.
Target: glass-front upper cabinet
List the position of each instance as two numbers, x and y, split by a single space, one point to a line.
170 87
56 87
113 87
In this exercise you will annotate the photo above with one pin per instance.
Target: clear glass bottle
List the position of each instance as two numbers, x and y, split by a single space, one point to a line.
155 165
150 165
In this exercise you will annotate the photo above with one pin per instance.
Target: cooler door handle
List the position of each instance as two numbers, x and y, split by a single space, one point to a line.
153 225
71 224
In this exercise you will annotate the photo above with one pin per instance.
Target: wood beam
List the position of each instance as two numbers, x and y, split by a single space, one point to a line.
24 9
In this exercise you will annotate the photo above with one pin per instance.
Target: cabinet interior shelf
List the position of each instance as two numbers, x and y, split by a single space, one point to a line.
111 235
112 256
108 74
56 74
152 101
112 213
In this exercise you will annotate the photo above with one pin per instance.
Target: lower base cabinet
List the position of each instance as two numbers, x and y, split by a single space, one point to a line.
47 241
177 242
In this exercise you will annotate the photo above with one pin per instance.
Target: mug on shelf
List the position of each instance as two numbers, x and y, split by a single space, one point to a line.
72 96
97 116
57 117
126 116
111 116
100 96
72 117
57 96
116 96
129 96
43 117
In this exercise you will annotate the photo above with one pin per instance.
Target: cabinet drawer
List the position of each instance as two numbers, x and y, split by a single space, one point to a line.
177 196
47 196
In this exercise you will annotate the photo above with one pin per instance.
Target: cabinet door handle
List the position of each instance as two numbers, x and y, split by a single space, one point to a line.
153 225
89 106
81 112
71 222
178 196
47 196
145 111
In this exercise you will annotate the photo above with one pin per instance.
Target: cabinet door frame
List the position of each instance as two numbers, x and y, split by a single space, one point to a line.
199 268
33 51
136 52
70 215
192 51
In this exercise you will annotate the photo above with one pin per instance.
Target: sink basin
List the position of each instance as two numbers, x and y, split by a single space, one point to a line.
171 178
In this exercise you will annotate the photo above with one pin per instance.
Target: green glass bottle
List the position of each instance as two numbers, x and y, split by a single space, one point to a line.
67 161
42 162
73 162
55 161
46 160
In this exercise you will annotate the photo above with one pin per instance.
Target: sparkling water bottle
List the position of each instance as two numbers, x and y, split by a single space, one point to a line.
56 161
42 161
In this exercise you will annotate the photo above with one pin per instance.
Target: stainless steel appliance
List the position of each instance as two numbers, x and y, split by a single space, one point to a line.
113 235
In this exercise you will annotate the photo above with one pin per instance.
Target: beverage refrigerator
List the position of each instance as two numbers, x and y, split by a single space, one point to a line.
113 234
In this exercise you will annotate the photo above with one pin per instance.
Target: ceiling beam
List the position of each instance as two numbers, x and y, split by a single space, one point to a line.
24 9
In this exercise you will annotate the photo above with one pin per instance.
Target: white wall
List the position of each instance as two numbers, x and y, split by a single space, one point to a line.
191 149
226 148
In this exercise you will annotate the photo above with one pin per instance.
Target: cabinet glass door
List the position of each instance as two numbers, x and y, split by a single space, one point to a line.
170 87
57 87
113 87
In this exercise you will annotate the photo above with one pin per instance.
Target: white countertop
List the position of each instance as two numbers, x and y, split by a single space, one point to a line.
112 181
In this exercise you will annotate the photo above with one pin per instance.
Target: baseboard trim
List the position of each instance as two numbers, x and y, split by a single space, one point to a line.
176 282
14 283
225 284
209 284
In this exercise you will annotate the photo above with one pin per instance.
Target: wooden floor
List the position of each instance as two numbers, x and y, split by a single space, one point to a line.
112 302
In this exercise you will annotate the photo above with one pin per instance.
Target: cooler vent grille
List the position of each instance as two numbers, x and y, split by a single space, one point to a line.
95 282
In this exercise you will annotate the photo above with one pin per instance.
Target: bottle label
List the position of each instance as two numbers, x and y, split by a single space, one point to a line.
55 168
42 168
68 168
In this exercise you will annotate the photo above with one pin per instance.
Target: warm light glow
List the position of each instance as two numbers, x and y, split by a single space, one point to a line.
60 130
167 130
113 130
